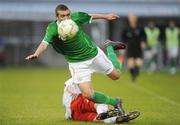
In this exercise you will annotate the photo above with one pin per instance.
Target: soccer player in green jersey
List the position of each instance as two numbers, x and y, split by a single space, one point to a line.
152 35
81 53
172 43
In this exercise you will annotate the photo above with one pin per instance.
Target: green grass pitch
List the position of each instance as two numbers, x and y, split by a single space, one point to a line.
34 96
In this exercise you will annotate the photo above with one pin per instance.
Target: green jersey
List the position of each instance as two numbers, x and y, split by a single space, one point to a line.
172 37
77 49
152 36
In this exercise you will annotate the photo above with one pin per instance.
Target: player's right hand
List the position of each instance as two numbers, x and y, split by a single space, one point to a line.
33 56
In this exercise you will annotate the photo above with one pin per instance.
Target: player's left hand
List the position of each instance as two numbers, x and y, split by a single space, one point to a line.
112 16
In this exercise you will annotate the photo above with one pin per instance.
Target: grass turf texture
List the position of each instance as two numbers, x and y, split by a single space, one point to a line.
33 97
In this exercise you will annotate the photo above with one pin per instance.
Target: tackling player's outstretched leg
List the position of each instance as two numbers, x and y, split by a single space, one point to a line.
79 108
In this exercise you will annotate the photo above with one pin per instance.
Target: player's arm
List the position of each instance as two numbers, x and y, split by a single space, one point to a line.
104 16
41 48
82 18
50 32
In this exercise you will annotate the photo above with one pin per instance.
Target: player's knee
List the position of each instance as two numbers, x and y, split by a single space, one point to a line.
116 77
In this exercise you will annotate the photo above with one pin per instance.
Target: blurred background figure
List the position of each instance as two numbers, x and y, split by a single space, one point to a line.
134 37
2 53
152 34
172 44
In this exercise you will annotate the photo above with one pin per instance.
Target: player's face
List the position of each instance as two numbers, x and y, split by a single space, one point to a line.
132 20
63 15
172 24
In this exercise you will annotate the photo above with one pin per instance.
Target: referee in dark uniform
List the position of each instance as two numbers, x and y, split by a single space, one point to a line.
135 39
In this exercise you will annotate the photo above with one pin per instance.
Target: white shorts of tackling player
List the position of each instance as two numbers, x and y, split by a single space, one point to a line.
81 71
173 52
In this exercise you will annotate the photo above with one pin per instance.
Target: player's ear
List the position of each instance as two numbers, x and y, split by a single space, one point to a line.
57 18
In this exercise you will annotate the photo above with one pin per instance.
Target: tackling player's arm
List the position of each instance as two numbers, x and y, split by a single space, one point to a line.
104 16
41 48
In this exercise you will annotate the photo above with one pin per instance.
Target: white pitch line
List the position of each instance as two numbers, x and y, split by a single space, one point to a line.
165 99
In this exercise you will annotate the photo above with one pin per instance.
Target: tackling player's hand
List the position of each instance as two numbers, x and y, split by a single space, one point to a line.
33 56
112 16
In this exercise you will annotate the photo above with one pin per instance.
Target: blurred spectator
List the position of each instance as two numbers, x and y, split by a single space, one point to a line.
152 34
172 43
2 53
134 36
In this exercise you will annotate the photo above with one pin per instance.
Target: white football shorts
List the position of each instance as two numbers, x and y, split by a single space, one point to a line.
81 71
173 52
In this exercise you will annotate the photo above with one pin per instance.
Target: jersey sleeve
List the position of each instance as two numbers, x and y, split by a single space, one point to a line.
51 31
81 18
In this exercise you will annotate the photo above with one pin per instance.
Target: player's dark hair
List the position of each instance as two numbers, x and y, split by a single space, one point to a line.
61 7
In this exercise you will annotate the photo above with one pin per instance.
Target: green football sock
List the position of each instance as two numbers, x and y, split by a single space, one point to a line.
113 57
101 98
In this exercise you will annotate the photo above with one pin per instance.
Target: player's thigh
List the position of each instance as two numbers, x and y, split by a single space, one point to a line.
83 109
154 51
81 104
80 72
139 62
102 64
131 62
149 54
87 105
173 52
169 53
86 89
